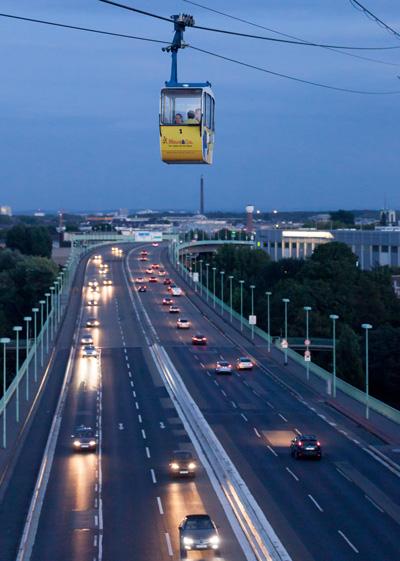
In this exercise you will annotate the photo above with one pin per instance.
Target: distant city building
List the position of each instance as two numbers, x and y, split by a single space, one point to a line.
372 247
39 213
146 211
123 213
249 219
320 217
396 284
5 210
388 217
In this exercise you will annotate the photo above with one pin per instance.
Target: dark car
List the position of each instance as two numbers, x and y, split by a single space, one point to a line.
84 438
167 281
198 532
199 339
305 445
142 288
182 463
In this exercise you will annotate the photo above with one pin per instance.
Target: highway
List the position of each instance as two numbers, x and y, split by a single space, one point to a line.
344 507
120 503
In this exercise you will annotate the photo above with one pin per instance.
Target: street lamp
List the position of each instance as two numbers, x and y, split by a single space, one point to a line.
252 287
47 294
366 326
27 319
17 329
194 272
214 269
42 303
35 311
5 341
241 304
268 295
334 317
52 288
230 294
207 270
222 273
307 309
286 302
201 277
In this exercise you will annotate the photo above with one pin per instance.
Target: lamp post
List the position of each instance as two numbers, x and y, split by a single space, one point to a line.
307 309
286 302
207 270
27 319
230 294
52 312
35 311
268 295
222 273
252 287
241 304
194 272
42 303
56 293
334 317
47 321
17 329
201 277
5 341
367 327
214 269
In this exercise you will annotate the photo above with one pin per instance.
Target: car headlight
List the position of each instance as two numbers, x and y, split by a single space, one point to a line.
214 540
188 541
92 443
192 465
77 443
174 466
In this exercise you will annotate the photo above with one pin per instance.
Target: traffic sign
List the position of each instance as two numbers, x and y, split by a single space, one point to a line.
307 342
307 356
284 344
252 320
195 277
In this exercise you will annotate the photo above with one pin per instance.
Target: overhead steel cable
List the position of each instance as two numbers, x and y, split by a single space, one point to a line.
249 36
294 78
375 18
222 57
247 22
88 29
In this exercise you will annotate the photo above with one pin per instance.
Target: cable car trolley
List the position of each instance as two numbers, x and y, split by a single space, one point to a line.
186 111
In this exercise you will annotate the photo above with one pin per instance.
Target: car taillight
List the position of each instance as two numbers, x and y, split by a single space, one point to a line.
318 443
299 443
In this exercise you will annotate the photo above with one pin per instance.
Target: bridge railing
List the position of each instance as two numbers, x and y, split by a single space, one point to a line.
225 310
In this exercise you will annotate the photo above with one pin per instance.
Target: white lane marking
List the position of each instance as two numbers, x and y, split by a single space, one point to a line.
353 547
132 384
160 507
234 404
282 417
95 541
140 419
133 393
378 459
125 351
272 450
153 476
130 374
244 417
162 426
270 405
322 416
148 452
121 426
202 365
257 433
96 520
169 546
297 430
343 432
208 373
136 405
292 474
96 502
342 473
224 393
355 441
143 434
96 487
315 502
216 383
128 365
374 503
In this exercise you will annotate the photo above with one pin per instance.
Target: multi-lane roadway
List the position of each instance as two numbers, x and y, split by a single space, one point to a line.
120 502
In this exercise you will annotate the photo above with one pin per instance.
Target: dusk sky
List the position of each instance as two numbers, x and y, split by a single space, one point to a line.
79 111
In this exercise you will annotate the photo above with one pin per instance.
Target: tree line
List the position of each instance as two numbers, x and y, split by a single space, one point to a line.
330 282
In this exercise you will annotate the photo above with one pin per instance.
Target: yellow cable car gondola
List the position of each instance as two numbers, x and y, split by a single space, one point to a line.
187 111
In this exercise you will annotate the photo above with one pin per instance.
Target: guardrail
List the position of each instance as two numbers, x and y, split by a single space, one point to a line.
264 543
221 307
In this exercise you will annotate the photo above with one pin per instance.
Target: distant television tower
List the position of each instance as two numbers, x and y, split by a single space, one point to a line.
249 219
201 195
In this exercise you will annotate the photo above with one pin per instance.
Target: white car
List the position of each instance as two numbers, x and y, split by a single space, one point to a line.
174 310
92 322
139 279
107 282
183 323
92 303
89 351
244 363
86 340
93 282
176 291
223 367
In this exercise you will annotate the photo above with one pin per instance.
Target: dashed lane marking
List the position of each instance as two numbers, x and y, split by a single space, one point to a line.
160 507
272 450
292 474
346 539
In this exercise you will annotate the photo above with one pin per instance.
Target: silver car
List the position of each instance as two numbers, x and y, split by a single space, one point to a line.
223 367
198 532
90 351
